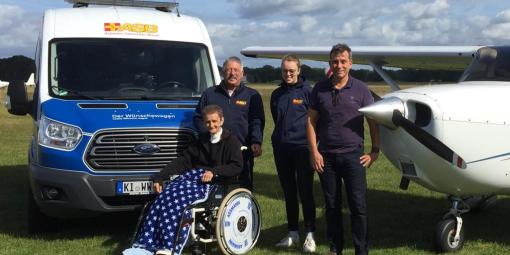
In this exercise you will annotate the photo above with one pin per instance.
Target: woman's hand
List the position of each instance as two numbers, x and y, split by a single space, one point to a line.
317 162
158 187
207 176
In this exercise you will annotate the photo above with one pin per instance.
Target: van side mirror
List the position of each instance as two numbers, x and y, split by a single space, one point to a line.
16 100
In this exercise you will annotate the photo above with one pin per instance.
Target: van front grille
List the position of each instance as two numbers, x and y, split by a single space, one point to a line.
114 150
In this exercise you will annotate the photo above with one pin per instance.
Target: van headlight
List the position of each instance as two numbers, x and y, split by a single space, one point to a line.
58 135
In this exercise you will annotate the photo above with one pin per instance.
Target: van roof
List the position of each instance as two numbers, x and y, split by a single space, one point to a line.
123 22
159 5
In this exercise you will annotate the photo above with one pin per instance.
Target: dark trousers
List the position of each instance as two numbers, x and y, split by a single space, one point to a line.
346 167
296 177
246 176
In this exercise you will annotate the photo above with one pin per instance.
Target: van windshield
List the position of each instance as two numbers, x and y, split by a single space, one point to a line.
124 69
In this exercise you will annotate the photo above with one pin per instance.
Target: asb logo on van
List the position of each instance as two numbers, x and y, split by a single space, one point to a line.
112 27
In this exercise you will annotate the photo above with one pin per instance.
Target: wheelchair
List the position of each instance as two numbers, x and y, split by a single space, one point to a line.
229 217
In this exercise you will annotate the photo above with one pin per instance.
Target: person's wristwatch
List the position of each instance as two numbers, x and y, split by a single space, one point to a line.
375 150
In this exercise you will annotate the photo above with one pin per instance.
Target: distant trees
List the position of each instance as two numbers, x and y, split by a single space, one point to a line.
16 68
269 73
20 68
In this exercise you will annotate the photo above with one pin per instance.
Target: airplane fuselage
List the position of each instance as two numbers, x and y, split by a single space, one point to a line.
473 119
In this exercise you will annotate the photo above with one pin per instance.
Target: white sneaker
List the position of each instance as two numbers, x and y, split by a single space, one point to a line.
309 245
288 241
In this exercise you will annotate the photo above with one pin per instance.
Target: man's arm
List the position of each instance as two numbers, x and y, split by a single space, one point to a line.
316 158
197 116
256 124
273 105
368 159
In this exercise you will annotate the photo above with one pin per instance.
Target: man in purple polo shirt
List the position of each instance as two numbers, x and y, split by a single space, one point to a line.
335 123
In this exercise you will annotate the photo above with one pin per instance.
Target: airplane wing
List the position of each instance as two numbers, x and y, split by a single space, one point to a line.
414 57
30 81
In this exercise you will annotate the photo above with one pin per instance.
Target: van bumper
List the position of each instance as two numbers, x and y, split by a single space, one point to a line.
81 194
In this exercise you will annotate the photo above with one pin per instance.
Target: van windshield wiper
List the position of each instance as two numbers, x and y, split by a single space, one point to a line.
64 92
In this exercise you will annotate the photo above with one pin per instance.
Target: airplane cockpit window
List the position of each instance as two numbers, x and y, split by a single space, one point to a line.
489 64
128 69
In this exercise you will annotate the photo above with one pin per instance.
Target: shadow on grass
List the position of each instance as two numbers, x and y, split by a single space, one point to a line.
13 212
395 219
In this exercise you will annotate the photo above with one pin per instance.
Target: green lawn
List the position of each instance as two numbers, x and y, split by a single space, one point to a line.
401 222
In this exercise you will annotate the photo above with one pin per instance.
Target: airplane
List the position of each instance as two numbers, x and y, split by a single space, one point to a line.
449 138
29 82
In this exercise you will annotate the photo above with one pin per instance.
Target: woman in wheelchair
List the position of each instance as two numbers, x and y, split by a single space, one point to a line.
216 153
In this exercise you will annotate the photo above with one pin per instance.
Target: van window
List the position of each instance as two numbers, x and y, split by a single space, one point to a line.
123 69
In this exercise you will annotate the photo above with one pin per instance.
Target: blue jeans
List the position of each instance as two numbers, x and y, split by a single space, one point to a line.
346 167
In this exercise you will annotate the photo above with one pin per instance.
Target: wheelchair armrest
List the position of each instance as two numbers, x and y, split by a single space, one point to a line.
223 180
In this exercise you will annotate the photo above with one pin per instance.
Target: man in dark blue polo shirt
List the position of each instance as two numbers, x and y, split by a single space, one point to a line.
243 111
335 123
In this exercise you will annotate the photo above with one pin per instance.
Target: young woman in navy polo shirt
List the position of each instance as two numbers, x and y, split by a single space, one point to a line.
289 107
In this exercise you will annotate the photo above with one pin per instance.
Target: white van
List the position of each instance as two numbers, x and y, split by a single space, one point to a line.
116 88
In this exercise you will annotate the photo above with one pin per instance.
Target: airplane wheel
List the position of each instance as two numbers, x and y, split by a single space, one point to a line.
445 236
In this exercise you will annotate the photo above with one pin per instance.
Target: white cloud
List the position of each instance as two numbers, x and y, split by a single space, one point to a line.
264 8
276 25
498 29
502 17
16 29
235 24
224 30
19 30
9 14
306 23
418 10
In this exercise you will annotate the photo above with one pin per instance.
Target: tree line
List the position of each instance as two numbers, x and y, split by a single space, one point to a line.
272 74
20 68
16 68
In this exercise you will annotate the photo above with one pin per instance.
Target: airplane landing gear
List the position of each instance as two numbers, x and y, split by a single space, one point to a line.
449 234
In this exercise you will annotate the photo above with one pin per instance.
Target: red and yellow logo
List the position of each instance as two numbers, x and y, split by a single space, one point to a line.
130 27
297 101
240 102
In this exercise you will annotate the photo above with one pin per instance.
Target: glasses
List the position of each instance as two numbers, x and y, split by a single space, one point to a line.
289 71
334 97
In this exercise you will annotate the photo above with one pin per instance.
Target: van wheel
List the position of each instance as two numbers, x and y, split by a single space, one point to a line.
38 222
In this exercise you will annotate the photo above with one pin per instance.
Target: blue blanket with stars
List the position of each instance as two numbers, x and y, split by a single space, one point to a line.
161 224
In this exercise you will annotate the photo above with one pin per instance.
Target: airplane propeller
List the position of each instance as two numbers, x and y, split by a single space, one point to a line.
388 112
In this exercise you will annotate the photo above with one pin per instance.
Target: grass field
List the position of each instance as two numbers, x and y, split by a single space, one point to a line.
401 222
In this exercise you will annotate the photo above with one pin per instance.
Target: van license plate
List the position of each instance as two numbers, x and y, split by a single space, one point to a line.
134 188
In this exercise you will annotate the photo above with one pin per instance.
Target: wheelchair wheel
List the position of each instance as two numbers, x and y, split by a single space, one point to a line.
238 222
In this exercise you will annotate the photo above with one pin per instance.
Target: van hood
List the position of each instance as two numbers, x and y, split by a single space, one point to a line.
91 116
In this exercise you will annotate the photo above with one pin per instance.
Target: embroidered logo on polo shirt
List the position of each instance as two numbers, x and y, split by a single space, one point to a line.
297 101
240 102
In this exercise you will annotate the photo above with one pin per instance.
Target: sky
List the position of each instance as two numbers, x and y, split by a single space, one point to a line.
236 24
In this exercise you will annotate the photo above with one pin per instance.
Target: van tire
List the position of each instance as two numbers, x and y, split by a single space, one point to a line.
39 223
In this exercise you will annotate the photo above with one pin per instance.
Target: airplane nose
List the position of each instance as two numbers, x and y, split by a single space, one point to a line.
382 111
